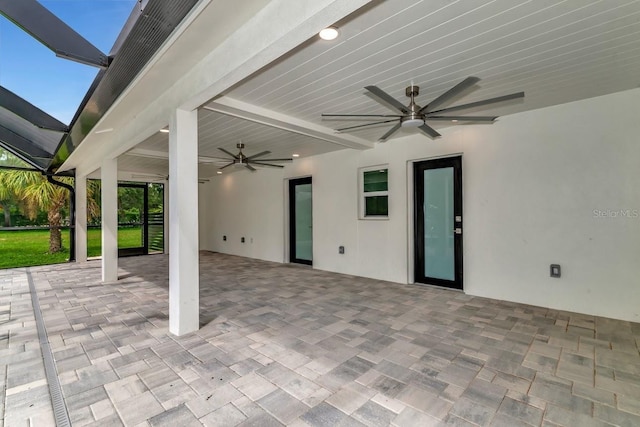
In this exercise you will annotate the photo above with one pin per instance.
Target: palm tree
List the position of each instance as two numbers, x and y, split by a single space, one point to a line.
8 196
39 194
6 199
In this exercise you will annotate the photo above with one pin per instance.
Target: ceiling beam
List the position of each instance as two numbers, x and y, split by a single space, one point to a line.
253 113
163 155
52 32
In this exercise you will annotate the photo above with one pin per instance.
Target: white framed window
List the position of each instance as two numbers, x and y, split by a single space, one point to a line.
374 192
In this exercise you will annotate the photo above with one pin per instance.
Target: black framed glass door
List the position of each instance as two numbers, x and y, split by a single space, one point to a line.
133 219
438 222
300 221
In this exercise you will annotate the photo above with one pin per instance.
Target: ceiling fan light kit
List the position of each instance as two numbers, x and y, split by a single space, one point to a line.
241 161
414 116
412 123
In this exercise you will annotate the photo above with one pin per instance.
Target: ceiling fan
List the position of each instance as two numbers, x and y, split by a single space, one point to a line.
240 160
414 116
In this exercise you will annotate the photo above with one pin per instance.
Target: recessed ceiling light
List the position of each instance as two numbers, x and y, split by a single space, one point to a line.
329 33
454 121
164 130
219 172
295 155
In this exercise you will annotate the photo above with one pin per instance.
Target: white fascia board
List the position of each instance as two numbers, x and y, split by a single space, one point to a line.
243 110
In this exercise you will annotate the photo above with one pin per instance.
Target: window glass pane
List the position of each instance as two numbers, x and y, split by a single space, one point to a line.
303 214
375 180
376 206
439 239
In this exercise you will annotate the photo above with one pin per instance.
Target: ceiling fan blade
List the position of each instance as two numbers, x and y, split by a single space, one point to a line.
480 103
272 160
264 153
465 84
390 132
267 164
226 166
228 153
429 131
463 118
367 124
251 168
211 159
384 96
361 115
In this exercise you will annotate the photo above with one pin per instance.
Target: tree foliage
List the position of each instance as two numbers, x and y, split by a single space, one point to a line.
8 197
32 193
36 193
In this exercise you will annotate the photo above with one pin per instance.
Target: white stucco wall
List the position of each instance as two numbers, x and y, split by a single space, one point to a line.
238 205
537 187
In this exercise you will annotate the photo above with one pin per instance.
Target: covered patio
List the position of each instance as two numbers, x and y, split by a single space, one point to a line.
286 344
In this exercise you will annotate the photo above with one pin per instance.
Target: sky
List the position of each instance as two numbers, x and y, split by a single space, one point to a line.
57 85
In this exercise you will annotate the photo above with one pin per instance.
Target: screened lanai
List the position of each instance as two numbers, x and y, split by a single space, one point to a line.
43 141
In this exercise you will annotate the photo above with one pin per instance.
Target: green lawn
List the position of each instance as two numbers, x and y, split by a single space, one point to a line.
29 247
127 238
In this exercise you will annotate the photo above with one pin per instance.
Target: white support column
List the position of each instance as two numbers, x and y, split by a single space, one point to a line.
184 265
81 218
109 177
165 222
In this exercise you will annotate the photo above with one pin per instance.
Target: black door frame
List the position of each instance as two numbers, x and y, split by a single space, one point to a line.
144 249
292 219
418 185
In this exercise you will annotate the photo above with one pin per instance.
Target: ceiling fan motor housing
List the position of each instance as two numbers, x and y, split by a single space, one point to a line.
412 91
413 118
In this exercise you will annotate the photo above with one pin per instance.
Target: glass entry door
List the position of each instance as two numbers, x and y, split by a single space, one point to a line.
300 221
438 222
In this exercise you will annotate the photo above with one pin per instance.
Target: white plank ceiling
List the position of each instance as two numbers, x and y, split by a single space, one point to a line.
554 51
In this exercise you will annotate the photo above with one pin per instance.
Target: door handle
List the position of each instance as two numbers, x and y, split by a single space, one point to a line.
457 230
